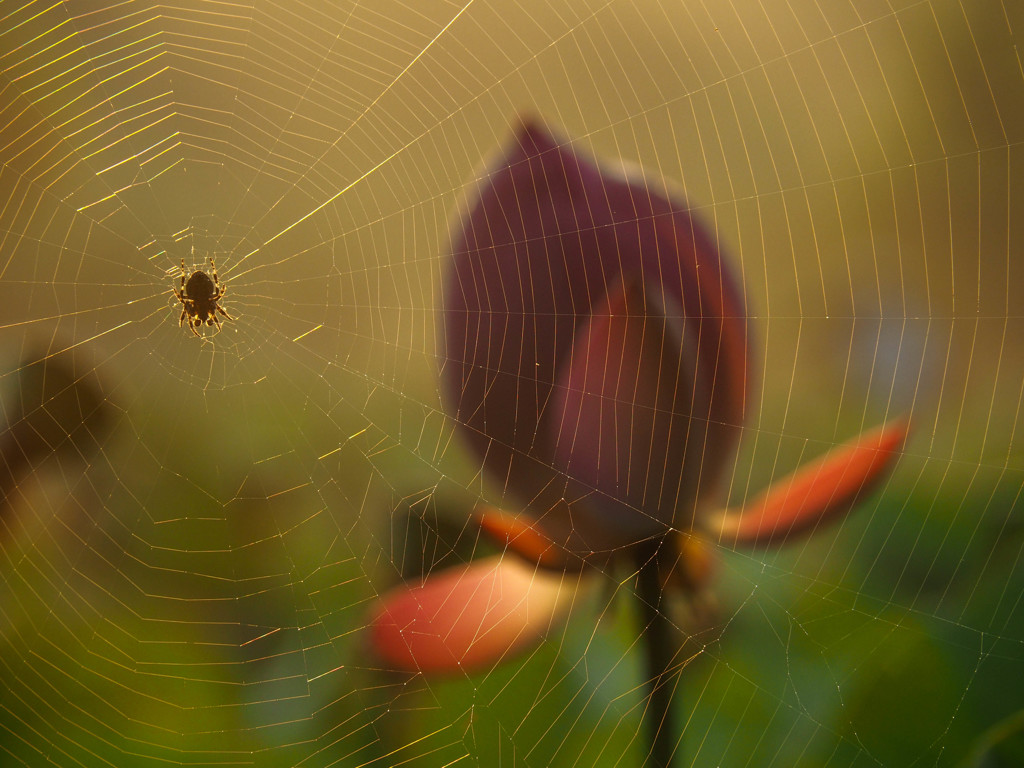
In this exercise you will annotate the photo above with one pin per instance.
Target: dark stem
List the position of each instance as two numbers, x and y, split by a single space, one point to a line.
660 654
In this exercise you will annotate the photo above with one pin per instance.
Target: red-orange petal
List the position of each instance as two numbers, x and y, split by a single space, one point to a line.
824 488
525 537
468 618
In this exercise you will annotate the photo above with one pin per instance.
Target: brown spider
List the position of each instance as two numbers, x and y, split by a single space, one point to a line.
199 297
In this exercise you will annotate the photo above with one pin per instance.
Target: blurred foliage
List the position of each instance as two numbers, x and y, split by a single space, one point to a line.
1001 746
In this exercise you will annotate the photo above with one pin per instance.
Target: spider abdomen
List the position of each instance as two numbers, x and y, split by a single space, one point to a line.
199 287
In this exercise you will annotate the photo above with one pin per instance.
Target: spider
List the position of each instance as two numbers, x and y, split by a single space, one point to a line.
199 297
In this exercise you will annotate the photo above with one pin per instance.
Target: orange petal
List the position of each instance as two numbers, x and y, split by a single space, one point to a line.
468 618
526 538
824 488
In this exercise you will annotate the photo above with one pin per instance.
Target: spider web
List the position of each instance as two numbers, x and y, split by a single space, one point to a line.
188 569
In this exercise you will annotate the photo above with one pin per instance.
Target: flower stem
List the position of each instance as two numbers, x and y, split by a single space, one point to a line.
659 658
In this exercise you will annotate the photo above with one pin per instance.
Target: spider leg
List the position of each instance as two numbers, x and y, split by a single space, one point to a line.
221 310
213 267
192 326
181 320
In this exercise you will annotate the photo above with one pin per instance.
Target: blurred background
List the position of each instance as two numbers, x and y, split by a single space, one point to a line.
194 529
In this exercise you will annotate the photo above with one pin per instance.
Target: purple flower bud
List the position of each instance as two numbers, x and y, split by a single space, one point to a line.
595 345
595 354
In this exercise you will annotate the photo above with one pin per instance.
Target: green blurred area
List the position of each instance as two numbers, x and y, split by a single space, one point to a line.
189 582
